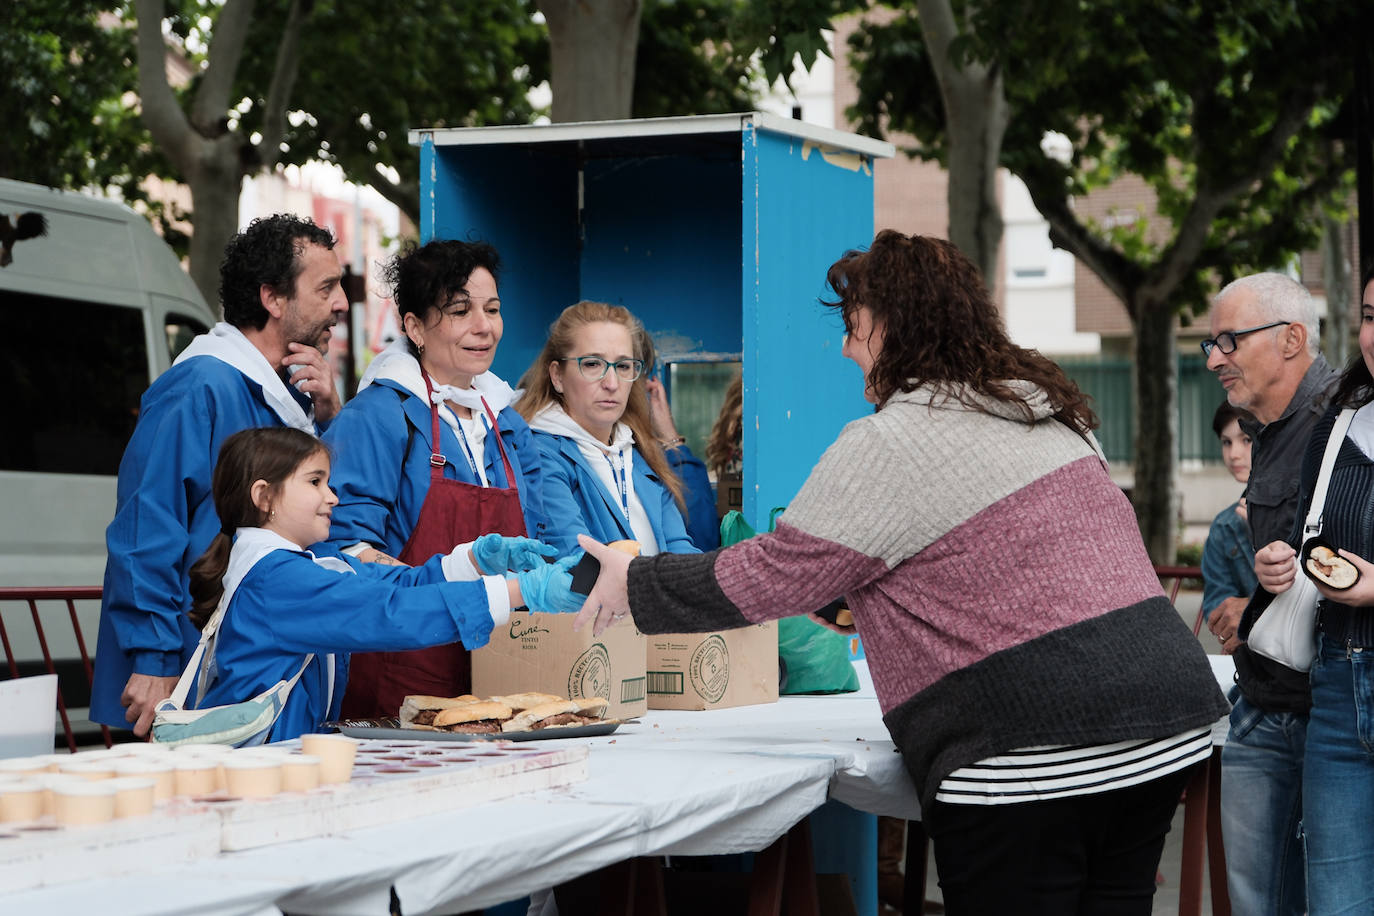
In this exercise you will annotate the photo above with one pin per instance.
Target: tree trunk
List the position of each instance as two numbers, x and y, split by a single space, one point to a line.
976 116
215 186
1336 279
592 55
211 158
1156 449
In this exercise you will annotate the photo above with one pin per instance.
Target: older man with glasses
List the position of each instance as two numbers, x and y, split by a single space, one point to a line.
1264 351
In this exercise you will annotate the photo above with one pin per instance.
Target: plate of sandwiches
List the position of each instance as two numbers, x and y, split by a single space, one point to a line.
515 717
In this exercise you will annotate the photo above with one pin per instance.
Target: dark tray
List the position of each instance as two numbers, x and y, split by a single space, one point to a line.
360 729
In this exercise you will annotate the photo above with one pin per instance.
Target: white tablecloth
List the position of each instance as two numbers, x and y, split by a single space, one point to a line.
681 783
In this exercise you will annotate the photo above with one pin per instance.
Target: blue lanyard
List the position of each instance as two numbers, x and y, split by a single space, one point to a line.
621 477
467 449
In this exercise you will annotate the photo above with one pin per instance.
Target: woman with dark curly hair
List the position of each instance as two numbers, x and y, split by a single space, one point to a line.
1045 695
430 454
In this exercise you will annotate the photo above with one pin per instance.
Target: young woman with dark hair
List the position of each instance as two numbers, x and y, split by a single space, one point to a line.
282 603
1045 695
1228 557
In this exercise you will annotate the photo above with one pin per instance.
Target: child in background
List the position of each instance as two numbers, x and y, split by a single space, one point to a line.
272 495
1228 557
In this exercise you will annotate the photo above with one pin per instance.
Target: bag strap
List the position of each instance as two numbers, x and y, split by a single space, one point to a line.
198 668
1313 523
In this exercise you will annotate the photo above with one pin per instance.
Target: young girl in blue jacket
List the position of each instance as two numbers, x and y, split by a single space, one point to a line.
605 473
283 603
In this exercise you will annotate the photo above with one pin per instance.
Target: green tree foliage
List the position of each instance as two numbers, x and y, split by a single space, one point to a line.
1225 108
370 73
68 75
687 63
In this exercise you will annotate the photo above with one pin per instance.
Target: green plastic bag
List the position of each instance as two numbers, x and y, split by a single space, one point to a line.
812 659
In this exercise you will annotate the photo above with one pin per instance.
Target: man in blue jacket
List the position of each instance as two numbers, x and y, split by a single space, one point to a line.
263 365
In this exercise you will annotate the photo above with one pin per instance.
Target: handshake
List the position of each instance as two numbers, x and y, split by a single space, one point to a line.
545 584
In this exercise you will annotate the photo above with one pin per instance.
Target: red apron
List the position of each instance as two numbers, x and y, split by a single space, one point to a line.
453 513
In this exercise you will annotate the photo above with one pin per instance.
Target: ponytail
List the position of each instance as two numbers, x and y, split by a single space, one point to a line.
269 453
207 579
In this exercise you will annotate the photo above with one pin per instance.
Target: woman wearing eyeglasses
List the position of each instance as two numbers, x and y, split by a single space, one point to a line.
605 473
430 454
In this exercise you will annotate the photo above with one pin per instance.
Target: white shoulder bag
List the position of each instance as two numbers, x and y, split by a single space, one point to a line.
1286 631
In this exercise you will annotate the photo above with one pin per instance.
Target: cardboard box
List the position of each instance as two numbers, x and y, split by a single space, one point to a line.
541 652
713 670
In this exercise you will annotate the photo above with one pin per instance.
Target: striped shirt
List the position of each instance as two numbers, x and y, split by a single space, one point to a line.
1060 771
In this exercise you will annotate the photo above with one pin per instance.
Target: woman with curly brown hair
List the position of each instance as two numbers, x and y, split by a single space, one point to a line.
1045 695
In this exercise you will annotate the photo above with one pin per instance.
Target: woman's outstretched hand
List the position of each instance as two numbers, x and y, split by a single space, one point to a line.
610 597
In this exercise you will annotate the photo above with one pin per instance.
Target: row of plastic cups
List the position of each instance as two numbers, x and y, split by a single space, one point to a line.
202 769
73 800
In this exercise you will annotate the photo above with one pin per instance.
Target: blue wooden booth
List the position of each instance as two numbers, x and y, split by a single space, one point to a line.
715 230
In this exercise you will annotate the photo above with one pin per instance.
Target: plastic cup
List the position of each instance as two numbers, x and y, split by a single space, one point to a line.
300 773
24 766
134 795
336 753
90 767
253 776
49 781
20 801
77 804
203 750
142 749
161 772
196 776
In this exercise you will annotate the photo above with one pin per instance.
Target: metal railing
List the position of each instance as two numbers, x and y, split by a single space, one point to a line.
1171 579
9 597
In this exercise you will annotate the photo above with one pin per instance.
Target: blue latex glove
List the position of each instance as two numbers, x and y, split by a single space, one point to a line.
495 554
547 589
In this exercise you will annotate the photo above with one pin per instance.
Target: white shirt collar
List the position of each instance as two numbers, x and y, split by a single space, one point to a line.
396 364
227 344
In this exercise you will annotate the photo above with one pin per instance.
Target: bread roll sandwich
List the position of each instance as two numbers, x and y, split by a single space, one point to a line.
426 712
519 702
630 547
484 716
581 711
1327 566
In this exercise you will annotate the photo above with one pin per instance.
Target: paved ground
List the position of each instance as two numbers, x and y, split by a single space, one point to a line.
1166 898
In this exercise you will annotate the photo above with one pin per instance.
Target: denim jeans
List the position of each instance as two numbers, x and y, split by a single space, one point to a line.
1261 810
1338 784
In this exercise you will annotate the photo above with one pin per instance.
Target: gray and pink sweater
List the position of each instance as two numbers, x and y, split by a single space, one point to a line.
995 574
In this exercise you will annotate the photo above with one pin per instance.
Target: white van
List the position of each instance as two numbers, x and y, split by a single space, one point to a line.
90 312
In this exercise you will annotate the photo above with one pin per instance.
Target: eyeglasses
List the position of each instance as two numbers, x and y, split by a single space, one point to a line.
1226 340
594 368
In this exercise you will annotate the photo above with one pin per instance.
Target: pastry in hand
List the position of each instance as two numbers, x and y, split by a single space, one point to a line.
1327 566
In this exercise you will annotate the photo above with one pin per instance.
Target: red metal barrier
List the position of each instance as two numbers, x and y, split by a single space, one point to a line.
1171 578
70 595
